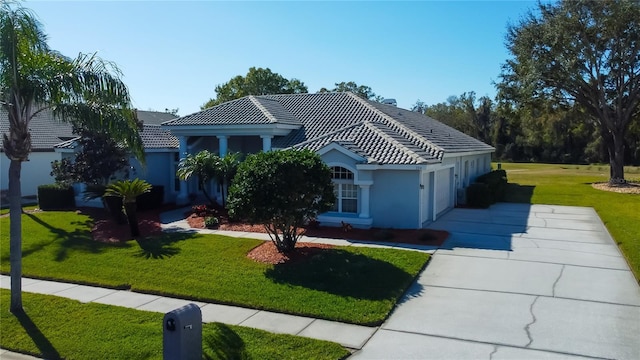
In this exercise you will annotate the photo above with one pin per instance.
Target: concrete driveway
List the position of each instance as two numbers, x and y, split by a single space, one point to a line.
517 281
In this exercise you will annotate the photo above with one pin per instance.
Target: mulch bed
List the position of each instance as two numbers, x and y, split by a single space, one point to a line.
628 188
268 253
106 230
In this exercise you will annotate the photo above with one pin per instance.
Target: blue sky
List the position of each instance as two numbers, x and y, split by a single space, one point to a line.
173 54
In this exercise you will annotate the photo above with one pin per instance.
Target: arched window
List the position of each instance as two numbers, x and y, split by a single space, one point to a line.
346 192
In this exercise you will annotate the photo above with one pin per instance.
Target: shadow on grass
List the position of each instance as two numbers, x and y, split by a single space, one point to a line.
47 349
162 246
517 193
221 342
343 273
69 241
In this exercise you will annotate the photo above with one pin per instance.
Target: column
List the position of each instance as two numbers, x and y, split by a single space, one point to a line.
364 201
222 140
266 142
183 195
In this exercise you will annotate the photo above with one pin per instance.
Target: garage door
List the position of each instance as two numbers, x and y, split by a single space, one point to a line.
444 200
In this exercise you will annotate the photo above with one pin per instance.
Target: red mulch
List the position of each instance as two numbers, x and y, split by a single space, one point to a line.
268 254
414 237
106 230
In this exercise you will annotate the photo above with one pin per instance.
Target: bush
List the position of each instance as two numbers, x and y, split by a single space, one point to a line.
56 197
211 222
152 199
496 180
479 195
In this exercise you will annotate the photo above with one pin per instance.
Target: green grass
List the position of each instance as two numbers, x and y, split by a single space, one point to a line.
55 328
24 208
349 284
571 185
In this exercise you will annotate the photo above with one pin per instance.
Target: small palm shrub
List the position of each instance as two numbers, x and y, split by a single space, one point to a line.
129 190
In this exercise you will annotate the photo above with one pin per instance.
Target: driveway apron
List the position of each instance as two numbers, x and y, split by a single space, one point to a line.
517 281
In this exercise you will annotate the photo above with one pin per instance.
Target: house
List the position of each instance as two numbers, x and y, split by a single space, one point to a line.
54 140
391 168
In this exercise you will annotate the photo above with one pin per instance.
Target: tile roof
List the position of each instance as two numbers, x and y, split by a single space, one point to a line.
45 130
48 132
380 133
153 137
154 117
249 110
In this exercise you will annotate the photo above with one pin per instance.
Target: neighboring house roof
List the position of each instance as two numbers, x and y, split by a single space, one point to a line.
45 130
154 117
48 133
380 133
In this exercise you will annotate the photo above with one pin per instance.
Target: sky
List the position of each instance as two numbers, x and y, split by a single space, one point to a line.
172 54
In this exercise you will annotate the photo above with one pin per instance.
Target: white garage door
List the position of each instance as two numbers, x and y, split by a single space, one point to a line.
444 200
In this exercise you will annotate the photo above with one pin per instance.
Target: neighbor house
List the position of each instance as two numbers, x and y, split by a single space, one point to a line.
391 168
54 140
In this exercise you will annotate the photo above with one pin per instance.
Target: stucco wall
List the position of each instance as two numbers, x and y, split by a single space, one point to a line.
158 171
395 199
35 172
477 165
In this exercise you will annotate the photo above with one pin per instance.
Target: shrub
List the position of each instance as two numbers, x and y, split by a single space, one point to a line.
281 190
479 195
496 180
56 197
151 200
211 222
200 210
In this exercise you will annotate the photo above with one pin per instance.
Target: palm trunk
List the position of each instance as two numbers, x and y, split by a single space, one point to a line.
203 185
130 209
15 235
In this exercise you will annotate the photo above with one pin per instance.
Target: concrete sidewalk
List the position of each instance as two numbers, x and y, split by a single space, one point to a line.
348 335
517 281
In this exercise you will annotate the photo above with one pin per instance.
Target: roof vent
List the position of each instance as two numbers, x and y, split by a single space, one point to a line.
391 102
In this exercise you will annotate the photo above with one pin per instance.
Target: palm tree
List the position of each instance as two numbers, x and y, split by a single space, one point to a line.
204 165
129 190
226 170
34 78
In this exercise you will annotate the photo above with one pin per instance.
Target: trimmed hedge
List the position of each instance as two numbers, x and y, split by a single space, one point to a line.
497 182
56 197
151 200
479 195
488 189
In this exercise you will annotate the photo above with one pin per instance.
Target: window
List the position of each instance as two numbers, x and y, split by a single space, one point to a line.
345 190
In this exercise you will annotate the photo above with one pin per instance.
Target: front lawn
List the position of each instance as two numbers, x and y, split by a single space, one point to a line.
56 328
571 185
349 284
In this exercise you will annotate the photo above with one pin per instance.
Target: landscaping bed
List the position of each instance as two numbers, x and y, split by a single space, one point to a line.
334 283
196 219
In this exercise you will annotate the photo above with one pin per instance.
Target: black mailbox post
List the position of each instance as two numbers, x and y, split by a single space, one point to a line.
182 339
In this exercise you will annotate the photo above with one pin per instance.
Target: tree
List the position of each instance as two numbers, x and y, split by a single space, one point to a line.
281 190
363 91
129 190
258 81
582 52
33 78
204 165
99 158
